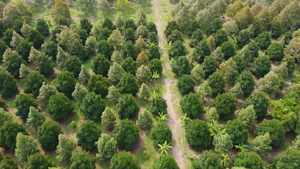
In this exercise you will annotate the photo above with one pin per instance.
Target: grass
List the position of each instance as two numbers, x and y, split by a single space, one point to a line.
148 154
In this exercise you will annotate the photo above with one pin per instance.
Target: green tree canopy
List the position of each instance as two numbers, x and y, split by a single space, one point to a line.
39 161
216 82
207 160
237 131
8 134
8 87
25 147
107 147
161 133
128 84
165 161
126 134
226 105
82 159
191 105
261 66
186 84
99 85
66 83
124 160
87 134
127 107
198 135
259 101
249 160
60 107
65 148
274 128
92 107
48 134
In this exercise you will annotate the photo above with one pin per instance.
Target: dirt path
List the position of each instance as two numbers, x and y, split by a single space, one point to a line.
173 121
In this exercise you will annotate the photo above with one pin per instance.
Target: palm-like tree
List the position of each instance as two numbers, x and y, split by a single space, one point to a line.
242 147
215 129
169 46
191 156
164 148
225 159
151 44
184 120
155 75
162 117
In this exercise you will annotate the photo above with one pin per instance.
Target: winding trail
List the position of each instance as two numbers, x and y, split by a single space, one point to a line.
178 152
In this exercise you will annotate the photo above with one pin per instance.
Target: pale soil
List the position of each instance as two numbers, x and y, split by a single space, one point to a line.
178 152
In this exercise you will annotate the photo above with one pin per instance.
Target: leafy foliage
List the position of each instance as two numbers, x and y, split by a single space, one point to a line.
87 134
48 134
191 105
198 135
126 134
161 133
127 107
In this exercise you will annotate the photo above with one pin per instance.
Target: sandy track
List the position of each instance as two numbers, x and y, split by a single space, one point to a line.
178 152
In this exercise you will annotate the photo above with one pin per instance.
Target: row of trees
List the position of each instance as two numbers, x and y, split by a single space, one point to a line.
49 59
231 56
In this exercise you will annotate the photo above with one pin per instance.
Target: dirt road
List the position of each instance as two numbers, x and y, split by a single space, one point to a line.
178 152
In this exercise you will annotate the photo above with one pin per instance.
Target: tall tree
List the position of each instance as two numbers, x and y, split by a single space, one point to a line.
60 107
61 11
65 148
25 147
34 82
82 159
88 133
126 134
107 147
92 107
124 160
8 134
66 83
48 134
23 103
